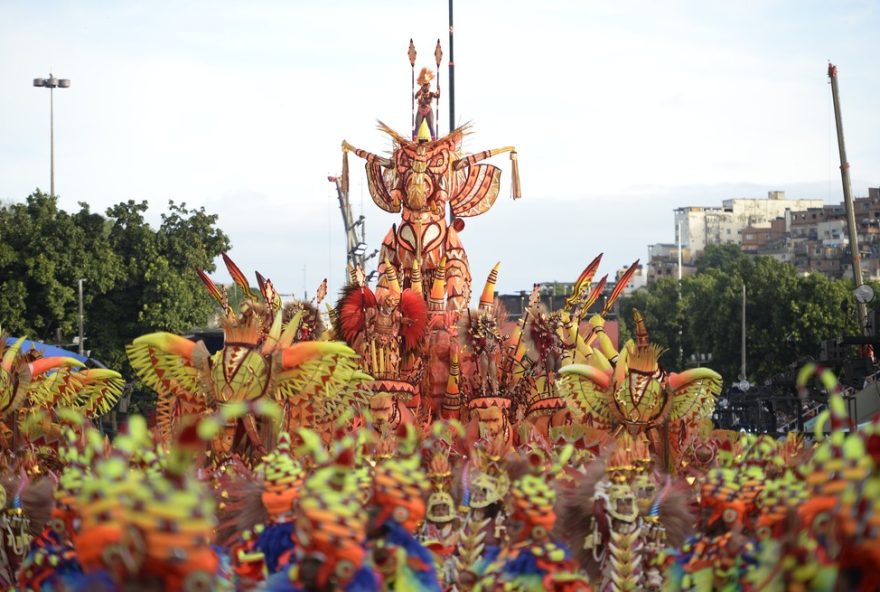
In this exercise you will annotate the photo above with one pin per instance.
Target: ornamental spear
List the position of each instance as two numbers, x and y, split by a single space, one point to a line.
412 63
438 55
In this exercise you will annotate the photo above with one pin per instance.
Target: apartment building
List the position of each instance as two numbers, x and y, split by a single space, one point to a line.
807 233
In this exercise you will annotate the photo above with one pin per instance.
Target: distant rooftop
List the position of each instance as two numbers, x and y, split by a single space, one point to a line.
727 203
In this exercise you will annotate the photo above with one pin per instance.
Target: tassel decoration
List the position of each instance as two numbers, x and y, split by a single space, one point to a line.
515 189
344 184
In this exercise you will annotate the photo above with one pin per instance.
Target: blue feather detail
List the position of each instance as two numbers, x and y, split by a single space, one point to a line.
398 536
224 569
523 564
100 580
364 580
48 543
274 541
280 582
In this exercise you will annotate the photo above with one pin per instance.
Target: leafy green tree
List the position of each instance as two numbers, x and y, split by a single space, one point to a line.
44 251
138 279
727 257
664 319
160 290
787 315
712 305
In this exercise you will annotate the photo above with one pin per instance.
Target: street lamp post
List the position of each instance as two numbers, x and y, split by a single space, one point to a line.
52 83
81 336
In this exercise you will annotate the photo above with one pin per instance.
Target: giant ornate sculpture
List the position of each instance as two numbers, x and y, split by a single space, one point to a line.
418 180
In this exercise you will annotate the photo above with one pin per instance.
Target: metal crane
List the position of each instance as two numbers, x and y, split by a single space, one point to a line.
355 233
848 201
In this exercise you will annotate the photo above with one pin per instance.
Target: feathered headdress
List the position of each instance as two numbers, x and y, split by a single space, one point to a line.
425 76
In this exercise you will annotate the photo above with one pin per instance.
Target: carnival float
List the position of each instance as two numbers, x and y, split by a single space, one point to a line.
413 437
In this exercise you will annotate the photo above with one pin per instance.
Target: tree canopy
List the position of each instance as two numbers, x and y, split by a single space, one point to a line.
787 315
139 279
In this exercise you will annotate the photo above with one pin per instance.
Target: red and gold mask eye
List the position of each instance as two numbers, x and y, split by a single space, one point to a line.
730 516
344 571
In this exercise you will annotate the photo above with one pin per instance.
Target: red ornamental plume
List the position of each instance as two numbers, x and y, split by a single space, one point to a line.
261 283
345 458
594 295
351 311
873 448
238 277
583 281
414 310
189 436
618 289
211 286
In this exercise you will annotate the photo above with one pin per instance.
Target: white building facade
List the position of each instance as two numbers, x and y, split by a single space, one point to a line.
701 226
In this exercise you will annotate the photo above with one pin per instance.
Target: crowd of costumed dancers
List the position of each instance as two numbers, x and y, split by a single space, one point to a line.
407 440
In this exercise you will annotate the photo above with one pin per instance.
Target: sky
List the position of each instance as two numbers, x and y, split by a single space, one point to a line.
620 112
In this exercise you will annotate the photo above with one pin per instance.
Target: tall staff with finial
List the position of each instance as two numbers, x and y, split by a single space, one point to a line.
412 62
451 75
438 56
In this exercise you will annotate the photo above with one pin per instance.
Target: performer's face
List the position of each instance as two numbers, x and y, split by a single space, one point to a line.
223 441
389 304
491 421
382 408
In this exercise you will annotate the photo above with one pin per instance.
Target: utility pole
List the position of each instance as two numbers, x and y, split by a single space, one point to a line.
847 198
680 320
679 259
743 348
451 75
81 317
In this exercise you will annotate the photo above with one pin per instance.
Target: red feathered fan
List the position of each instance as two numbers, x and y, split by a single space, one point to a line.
414 311
351 311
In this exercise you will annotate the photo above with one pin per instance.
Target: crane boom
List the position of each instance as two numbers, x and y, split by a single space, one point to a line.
355 246
848 200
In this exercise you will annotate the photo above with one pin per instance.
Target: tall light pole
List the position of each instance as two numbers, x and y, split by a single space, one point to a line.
52 83
743 344
678 315
81 336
